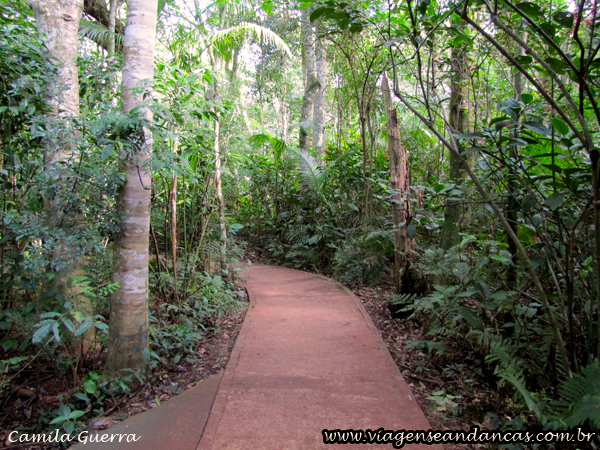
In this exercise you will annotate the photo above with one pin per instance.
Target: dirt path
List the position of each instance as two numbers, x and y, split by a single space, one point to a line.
307 358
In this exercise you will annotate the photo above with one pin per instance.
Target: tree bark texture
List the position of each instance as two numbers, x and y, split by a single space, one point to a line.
58 24
112 19
174 217
400 183
319 105
458 123
221 202
128 323
311 84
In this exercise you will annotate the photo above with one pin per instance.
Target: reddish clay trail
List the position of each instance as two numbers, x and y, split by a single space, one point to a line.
307 358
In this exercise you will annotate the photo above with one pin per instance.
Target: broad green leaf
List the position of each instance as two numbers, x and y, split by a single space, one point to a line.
529 8
537 220
554 201
564 19
461 270
560 126
90 386
557 65
524 60
317 13
527 98
537 127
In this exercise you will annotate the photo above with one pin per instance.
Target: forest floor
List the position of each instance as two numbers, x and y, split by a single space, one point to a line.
22 410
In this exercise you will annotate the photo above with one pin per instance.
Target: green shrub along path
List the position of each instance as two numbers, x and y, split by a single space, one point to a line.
307 358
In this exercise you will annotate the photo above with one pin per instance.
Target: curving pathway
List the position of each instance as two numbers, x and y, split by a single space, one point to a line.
307 358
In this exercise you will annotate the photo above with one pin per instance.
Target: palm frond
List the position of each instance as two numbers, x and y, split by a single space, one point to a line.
232 35
277 145
312 175
98 34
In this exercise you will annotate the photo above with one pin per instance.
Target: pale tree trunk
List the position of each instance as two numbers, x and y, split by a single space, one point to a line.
58 24
112 20
221 202
311 83
319 106
174 218
458 122
128 323
400 183
212 95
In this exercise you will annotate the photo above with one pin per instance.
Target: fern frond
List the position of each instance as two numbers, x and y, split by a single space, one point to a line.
231 35
98 34
509 370
582 392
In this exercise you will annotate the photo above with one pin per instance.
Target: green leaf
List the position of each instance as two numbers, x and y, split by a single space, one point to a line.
528 203
470 317
461 270
537 220
560 126
76 414
529 8
90 386
41 333
305 5
69 427
317 13
537 127
557 65
564 19
554 201
527 98
524 60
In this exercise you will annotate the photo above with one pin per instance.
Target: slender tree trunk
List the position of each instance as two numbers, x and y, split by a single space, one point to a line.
221 202
311 85
112 20
400 183
319 106
458 122
128 322
174 218
58 24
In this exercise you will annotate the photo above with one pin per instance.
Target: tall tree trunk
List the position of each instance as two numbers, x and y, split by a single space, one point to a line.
400 183
128 322
112 20
311 82
58 24
212 95
221 202
319 106
458 122
174 218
